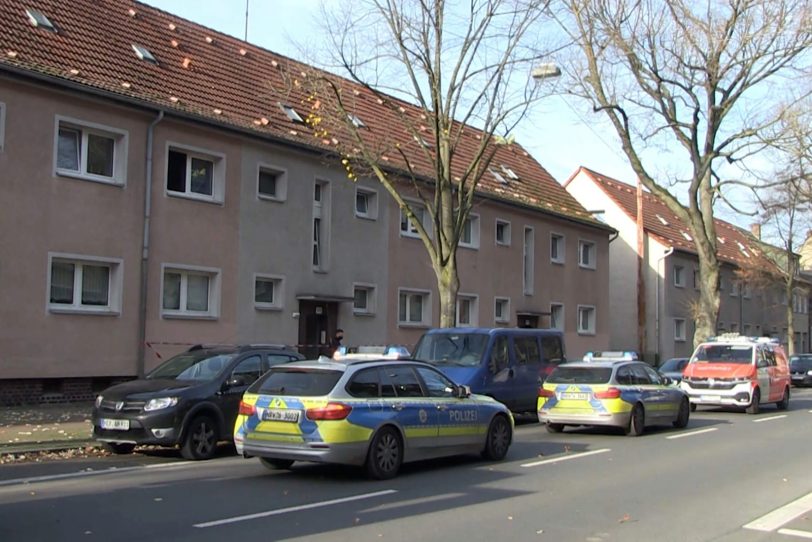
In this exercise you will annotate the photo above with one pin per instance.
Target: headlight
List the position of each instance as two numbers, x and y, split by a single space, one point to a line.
160 403
98 400
809 373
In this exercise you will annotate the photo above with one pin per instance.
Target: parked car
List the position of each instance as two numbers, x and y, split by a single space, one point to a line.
507 364
800 368
672 368
620 393
191 400
377 413
739 371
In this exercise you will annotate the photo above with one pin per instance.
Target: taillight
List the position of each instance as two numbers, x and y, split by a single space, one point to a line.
247 409
546 393
330 411
611 393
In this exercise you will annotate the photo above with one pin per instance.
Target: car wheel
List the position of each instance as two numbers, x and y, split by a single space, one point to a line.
498 439
754 407
120 448
276 464
201 439
385 454
683 414
693 407
554 427
636 421
783 404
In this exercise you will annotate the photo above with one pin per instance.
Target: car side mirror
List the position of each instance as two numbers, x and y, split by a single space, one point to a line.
462 392
237 382
667 381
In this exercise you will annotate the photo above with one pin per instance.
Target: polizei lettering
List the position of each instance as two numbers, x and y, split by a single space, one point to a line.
463 415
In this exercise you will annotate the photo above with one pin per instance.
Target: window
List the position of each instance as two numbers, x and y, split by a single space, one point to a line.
363 299
90 152
746 290
528 260
268 292
81 284
195 173
469 237
586 254
190 292
144 54
679 329
272 183
321 230
527 350
366 203
365 384
502 232
679 276
696 279
734 288
291 113
552 349
556 248
356 120
437 385
586 320
557 316
38 19
2 125
407 227
248 369
413 308
467 310
501 310
405 382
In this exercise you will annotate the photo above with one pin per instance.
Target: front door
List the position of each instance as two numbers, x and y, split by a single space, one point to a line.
317 323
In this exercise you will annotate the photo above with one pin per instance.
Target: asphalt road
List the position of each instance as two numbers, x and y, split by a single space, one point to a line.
727 477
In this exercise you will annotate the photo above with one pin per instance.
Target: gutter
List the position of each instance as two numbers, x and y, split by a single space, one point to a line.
142 298
665 255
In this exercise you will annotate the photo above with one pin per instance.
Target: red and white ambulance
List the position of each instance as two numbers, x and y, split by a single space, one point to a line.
734 370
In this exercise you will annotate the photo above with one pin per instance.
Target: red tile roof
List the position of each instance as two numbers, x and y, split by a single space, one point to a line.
734 245
219 79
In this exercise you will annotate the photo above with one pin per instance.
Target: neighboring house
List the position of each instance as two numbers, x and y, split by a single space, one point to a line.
160 190
671 276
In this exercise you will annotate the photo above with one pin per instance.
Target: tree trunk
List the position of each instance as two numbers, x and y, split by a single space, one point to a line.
707 310
790 321
448 284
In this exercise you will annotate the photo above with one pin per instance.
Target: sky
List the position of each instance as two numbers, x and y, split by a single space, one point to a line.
561 133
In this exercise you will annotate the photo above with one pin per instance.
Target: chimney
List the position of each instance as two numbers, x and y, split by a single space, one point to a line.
755 229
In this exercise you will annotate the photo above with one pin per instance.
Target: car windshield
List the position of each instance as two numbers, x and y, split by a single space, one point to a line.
580 375
800 363
673 365
296 381
723 353
192 366
465 349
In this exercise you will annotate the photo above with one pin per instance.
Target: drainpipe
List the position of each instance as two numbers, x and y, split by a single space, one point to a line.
142 300
665 255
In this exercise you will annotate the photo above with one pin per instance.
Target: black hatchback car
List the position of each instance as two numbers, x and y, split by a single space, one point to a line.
800 369
191 400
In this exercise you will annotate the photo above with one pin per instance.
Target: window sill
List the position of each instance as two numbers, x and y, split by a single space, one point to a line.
587 267
560 262
414 325
187 316
112 181
370 218
499 244
363 314
265 197
469 247
501 321
55 309
192 197
589 333
268 308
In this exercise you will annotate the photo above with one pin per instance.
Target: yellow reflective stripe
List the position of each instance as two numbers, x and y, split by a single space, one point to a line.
276 437
420 431
338 432
452 430
282 428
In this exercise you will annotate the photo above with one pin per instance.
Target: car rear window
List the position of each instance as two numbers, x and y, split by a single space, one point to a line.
580 375
296 381
803 363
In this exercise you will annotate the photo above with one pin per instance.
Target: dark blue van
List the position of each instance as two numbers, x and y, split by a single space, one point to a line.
507 364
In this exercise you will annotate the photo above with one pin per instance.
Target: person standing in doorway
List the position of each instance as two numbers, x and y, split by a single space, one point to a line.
335 342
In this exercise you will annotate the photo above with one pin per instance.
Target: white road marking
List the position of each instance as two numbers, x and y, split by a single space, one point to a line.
793 532
781 516
565 458
770 418
111 470
280 511
692 433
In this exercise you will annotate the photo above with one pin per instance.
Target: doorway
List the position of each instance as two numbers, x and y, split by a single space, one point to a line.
317 324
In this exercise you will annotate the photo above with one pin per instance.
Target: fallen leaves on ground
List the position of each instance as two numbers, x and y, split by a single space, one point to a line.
41 456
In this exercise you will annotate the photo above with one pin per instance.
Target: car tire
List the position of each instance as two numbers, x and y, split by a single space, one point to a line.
385 454
754 407
637 421
120 448
693 407
497 440
683 415
200 439
554 427
783 404
276 464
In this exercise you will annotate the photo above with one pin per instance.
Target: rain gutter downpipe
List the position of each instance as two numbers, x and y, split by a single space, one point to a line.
665 255
142 298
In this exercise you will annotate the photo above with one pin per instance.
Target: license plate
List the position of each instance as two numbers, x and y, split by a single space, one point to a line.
280 415
794 377
575 396
710 398
118 425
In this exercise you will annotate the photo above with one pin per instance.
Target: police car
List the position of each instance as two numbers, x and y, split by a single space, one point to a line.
610 389
375 413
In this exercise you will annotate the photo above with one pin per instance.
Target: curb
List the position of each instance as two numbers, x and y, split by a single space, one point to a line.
50 446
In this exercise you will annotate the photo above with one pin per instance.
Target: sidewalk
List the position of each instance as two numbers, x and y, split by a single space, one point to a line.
37 428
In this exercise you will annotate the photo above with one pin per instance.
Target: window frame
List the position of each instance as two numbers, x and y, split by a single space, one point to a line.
473 220
278 292
218 179
215 279
593 253
372 203
557 305
3 109
506 228
281 182
371 307
678 273
473 310
115 282
562 256
591 329
120 146
320 233
528 261
425 320
424 220
680 337
505 318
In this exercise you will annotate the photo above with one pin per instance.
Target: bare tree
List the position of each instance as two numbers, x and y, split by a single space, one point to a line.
693 81
453 79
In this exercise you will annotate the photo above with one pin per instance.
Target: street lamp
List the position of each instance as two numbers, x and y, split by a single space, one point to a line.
545 71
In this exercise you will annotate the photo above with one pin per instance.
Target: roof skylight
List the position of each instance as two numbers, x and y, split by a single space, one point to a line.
687 236
498 176
38 19
291 113
661 219
144 54
422 141
356 120
509 173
